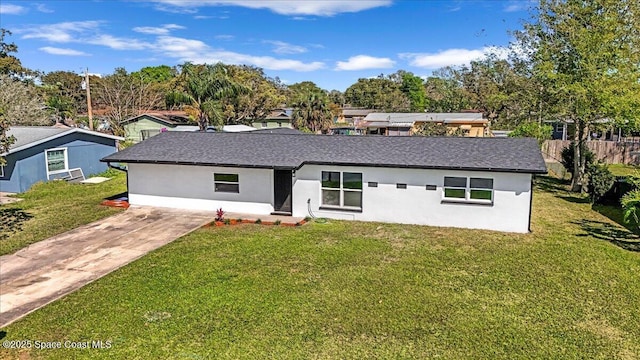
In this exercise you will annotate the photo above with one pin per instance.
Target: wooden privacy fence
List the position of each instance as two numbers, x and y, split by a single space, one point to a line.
611 152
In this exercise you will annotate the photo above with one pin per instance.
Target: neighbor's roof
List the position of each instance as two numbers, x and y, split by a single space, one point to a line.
29 136
165 118
237 128
356 112
278 130
293 151
425 117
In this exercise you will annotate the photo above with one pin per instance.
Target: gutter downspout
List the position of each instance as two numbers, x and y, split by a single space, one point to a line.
530 201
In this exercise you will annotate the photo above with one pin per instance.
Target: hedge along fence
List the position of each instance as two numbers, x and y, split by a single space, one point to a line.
611 152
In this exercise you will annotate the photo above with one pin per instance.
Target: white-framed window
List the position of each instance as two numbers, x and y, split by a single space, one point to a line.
229 183
57 161
468 189
342 190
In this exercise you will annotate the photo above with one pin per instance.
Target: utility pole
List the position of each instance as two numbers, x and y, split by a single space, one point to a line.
89 111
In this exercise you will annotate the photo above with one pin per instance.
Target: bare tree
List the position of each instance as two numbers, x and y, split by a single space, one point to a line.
20 104
123 96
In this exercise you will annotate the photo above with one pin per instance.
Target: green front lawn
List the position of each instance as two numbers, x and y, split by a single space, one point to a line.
54 207
355 290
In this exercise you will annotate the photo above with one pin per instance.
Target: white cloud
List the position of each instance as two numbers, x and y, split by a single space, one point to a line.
61 51
362 62
118 43
198 52
449 57
517 5
453 57
281 47
10 9
163 30
43 8
308 7
174 46
225 37
61 32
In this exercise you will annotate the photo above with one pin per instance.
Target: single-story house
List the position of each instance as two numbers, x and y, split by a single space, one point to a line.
276 119
483 183
144 126
352 115
472 124
47 153
604 129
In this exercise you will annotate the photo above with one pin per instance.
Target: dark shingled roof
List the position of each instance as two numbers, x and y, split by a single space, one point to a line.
293 151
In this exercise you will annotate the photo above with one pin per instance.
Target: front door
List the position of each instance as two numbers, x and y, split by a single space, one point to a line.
282 191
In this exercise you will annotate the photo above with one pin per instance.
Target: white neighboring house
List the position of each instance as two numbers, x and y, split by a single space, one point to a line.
480 183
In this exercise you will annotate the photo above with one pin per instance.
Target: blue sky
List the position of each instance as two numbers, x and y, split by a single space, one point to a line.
332 43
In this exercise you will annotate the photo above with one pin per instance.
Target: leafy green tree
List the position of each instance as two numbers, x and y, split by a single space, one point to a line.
499 89
9 64
63 94
157 74
382 93
585 56
301 91
413 88
444 93
264 95
311 114
201 91
541 132
336 97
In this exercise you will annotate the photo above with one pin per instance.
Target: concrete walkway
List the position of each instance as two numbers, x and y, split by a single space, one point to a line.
47 270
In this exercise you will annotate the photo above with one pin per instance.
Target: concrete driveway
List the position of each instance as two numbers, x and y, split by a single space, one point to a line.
49 269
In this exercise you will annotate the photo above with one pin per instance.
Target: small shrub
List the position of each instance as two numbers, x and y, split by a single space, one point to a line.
600 181
258 221
227 221
220 215
277 222
239 220
631 206
307 218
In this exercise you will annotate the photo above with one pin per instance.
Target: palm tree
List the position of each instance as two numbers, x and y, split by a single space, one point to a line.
203 88
312 114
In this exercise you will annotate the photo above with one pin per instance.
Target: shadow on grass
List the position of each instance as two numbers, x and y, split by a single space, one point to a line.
560 189
11 221
622 238
551 184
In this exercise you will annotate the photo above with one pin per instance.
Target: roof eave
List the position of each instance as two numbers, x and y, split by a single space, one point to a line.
59 135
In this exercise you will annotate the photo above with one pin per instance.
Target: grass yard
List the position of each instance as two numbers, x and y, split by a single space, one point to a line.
569 290
54 207
624 169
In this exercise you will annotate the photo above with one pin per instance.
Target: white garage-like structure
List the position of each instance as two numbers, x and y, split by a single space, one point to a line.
480 183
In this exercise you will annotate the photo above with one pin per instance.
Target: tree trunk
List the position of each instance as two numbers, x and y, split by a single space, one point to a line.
578 181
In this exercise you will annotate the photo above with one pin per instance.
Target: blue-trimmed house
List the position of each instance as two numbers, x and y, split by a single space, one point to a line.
47 153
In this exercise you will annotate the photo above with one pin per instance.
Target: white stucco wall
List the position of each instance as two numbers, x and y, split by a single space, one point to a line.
192 187
416 205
